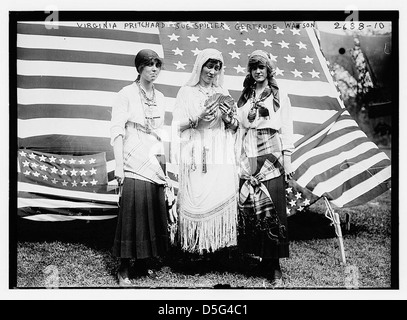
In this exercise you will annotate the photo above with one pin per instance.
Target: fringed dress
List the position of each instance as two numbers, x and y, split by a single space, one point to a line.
207 198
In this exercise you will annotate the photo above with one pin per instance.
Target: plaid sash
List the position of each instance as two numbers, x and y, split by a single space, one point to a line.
253 193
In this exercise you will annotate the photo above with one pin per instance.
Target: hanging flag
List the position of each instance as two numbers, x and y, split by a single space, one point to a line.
67 79
342 164
71 184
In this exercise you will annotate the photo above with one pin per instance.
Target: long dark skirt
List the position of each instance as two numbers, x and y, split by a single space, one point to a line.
142 221
251 239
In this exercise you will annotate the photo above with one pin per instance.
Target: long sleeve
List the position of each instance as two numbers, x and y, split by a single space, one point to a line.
120 115
286 130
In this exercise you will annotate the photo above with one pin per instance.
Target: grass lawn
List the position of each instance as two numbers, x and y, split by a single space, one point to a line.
77 255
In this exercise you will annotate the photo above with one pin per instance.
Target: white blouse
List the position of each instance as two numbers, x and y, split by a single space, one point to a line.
128 107
280 120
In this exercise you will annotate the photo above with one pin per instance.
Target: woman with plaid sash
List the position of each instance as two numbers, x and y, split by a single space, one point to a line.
136 136
266 144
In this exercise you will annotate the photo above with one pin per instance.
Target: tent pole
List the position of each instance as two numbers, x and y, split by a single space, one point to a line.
334 217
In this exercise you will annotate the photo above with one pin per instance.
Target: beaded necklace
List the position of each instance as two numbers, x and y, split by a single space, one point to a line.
149 108
207 92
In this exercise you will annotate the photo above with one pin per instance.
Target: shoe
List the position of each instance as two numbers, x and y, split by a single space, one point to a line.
276 277
152 274
123 282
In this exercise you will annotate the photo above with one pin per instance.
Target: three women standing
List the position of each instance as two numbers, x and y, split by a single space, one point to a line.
210 190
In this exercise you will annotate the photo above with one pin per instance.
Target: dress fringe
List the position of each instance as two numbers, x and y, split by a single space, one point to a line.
211 234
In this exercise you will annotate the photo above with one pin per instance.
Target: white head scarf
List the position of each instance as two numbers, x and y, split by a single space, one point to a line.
201 59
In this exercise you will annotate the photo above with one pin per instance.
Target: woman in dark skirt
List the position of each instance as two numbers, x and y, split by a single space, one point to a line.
136 131
266 144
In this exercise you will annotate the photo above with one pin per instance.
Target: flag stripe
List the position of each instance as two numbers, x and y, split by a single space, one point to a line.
51 82
72 97
334 187
88 196
33 111
64 126
333 160
361 145
327 152
51 203
88 33
323 151
122 74
90 85
351 196
320 103
84 44
61 218
60 144
313 139
312 115
102 58
334 174
26 112
303 128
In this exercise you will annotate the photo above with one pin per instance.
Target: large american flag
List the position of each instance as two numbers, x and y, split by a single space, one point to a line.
67 77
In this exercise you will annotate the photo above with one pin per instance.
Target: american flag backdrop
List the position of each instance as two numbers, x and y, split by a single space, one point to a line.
67 78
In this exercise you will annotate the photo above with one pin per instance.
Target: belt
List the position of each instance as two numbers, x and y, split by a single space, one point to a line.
269 131
142 128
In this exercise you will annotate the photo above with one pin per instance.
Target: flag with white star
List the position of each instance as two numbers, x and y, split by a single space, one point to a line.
80 173
67 79
66 184
298 198
290 48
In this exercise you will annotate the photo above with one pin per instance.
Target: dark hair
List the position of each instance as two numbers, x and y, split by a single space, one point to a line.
249 82
145 57
253 65
147 63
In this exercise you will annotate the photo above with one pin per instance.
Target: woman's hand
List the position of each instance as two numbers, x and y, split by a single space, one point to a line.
209 110
288 169
252 114
119 174
226 113
260 104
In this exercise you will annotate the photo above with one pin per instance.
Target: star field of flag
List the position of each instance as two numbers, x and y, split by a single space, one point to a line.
81 173
290 48
298 198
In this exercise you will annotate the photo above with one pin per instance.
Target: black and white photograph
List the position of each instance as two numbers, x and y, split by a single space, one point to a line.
203 152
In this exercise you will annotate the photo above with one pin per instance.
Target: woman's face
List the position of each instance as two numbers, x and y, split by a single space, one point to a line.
259 73
151 71
209 71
